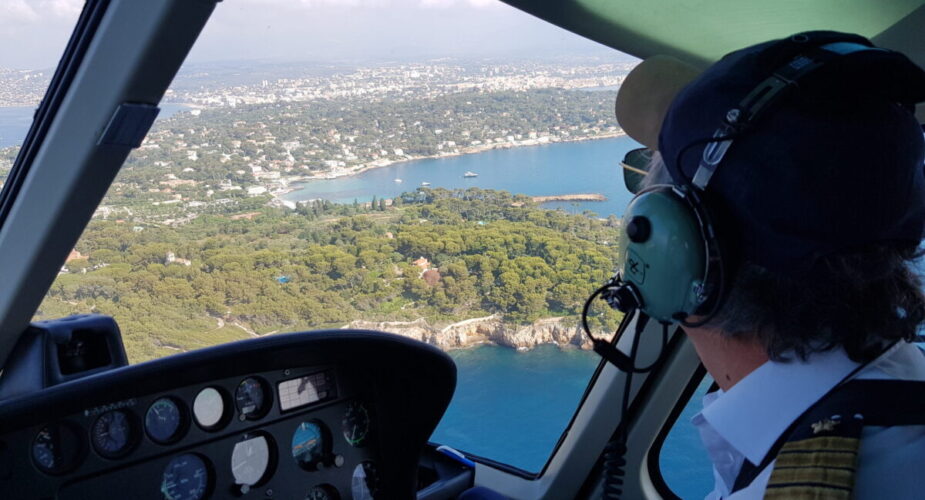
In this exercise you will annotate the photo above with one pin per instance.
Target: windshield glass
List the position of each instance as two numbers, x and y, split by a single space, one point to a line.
453 178
33 34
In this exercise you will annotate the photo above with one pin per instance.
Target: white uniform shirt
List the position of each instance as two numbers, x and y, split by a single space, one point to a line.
746 421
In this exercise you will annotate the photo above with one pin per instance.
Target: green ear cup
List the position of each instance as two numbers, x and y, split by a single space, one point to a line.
663 253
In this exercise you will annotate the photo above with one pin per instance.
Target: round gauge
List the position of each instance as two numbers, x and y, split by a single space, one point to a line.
250 460
113 434
308 445
355 424
323 492
56 448
164 421
209 408
365 483
185 478
250 398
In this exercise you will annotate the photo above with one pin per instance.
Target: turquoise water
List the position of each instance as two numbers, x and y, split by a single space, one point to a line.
512 407
561 168
15 122
683 460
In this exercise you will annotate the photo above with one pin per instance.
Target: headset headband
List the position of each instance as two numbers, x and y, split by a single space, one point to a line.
758 101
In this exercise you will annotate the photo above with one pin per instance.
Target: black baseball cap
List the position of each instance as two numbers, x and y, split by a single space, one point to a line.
835 164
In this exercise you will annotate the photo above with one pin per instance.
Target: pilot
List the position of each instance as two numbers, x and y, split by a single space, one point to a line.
802 162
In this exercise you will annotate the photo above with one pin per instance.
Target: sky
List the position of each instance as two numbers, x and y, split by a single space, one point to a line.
33 33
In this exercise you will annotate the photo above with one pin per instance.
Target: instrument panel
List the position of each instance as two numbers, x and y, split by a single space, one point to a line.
327 431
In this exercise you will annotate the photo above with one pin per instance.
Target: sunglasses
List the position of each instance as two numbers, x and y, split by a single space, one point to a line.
635 167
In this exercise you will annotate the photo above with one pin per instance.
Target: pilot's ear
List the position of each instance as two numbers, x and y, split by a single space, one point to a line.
646 94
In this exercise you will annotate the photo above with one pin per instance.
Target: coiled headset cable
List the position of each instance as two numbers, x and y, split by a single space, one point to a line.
615 451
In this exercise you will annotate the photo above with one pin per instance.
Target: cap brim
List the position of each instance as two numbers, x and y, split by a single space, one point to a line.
646 94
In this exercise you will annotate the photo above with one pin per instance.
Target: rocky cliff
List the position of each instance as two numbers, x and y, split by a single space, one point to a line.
488 329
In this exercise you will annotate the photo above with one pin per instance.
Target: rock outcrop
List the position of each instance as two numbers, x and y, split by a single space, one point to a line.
489 329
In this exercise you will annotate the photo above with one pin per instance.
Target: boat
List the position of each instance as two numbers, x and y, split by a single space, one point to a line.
470 173
425 183
398 181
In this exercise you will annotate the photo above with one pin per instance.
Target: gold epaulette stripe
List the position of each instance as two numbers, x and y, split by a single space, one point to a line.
827 443
806 492
833 478
839 459
815 469
849 469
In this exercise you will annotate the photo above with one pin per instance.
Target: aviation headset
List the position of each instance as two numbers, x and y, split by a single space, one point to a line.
672 263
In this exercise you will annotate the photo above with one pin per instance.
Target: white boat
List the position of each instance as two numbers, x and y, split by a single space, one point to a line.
425 184
398 181
470 173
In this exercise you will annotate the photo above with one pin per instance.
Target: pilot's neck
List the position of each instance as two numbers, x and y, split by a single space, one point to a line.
728 360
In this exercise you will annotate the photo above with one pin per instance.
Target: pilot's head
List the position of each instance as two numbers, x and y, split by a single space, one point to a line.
819 200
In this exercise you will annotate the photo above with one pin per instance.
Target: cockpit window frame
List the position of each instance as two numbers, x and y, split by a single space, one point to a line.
653 464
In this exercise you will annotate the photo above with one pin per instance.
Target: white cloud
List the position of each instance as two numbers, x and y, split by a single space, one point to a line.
39 28
65 8
464 3
308 4
16 11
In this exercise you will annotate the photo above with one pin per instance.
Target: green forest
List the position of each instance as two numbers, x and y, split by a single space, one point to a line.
220 278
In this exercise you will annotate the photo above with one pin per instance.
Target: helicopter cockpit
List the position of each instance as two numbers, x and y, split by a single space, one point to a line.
91 407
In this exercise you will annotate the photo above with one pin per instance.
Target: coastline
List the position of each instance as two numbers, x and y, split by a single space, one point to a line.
297 182
562 331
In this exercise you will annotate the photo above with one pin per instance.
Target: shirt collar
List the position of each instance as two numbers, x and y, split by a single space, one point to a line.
752 414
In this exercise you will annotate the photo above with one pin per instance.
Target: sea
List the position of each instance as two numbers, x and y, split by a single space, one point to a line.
510 406
579 167
15 121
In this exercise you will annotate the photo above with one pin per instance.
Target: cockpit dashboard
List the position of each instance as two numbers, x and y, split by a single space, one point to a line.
326 415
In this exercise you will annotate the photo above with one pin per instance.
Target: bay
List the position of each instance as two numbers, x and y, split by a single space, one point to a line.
591 166
15 121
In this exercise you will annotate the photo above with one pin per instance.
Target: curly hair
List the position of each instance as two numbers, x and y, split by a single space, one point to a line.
859 300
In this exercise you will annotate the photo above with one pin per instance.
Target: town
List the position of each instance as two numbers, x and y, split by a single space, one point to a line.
235 148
